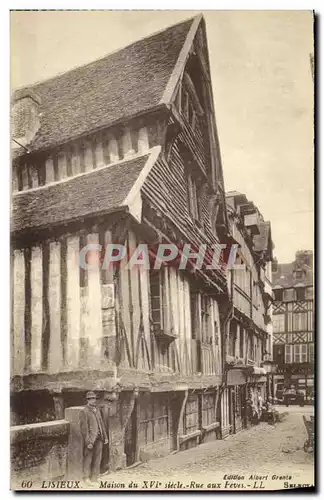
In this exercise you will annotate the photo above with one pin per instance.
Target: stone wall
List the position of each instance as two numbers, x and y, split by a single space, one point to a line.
39 451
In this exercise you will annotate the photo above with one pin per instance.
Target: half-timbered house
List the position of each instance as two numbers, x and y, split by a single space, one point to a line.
293 324
249 336
121 151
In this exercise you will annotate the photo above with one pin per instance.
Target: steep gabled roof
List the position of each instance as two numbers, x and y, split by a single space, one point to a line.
285 277
123 84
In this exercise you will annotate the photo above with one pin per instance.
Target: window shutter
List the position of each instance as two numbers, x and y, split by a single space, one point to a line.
311 353
304 353
288 353
297 353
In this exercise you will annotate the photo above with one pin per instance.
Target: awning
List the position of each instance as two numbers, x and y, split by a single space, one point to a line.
256 370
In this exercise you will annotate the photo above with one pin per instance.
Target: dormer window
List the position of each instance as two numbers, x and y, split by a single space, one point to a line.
25 113
300 293
289 294
278 294
299 274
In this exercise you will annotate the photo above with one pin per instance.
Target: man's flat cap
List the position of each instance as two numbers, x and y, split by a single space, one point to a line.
91 395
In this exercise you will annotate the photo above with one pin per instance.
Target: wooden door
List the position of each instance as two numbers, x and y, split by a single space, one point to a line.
131 437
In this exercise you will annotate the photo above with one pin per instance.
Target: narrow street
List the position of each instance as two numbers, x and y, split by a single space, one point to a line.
263 450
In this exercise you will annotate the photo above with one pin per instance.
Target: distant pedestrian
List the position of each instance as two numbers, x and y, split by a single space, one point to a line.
94 437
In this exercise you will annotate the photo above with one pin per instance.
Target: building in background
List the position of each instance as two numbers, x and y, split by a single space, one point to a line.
293 324
249 335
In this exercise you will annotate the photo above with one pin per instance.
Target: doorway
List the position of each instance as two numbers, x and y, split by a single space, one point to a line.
131 437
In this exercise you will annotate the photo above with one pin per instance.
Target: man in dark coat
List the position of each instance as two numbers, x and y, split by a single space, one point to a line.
94 436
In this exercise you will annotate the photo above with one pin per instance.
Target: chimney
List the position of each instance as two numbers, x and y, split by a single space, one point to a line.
275 265
25 110
304 257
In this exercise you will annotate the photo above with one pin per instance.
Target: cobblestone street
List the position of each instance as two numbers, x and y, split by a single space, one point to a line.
263 450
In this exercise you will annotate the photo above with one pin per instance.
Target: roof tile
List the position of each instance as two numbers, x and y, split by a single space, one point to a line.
105 91
96 192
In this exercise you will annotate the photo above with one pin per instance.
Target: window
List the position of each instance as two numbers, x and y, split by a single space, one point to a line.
194 314
278 321
241 342
161 301
208 409
205 320
300 353
154 419
250 347
299 321
263 349
278 293
311 356
288 353
232 339
242 278
157 295
289 294
190 417
216 331
279 354
193 197
300 293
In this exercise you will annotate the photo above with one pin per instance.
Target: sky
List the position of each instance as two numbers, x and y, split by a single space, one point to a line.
262 87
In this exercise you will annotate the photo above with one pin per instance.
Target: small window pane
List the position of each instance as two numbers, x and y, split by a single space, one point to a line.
289 294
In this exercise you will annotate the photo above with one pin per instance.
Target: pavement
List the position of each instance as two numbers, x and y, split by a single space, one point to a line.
303 410
272 452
